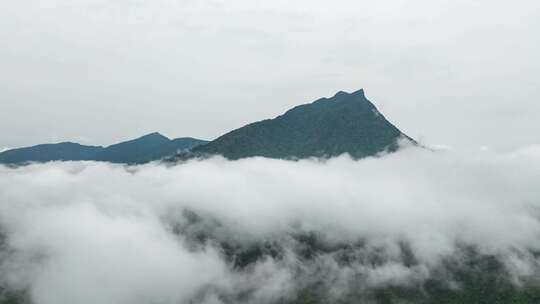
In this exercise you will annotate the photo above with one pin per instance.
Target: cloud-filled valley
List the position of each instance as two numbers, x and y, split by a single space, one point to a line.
261 230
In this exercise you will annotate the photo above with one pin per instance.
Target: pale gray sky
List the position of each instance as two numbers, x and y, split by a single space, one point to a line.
453 72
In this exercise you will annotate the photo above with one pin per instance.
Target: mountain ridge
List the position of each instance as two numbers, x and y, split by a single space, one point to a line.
345 123
149 147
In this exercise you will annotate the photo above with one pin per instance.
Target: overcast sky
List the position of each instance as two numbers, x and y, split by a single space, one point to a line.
463 73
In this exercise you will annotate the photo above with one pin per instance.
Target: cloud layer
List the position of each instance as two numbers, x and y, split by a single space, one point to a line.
84 232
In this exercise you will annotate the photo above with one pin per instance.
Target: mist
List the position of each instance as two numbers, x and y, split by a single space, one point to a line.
88 232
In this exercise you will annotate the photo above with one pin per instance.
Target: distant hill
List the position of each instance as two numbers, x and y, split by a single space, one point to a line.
48 152
345 123
139 150
144 149
145 153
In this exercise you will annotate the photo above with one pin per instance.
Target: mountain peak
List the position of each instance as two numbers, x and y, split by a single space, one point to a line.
341 94
344 123
358 93
354 101
153 135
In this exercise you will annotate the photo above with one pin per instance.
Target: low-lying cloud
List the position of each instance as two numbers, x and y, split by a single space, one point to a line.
261 230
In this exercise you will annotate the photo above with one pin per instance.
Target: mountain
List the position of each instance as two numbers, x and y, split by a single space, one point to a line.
46 152
144 149
133 151
345 123
171 148
147 148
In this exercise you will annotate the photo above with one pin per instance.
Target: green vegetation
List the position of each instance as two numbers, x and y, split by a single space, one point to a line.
468 277
345 123
9 297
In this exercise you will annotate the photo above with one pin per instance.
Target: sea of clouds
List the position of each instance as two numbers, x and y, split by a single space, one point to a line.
89 232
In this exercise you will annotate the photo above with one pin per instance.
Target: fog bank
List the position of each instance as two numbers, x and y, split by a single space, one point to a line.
86 232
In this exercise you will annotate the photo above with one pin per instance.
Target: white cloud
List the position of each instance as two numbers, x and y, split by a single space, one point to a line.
84 232
532 151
